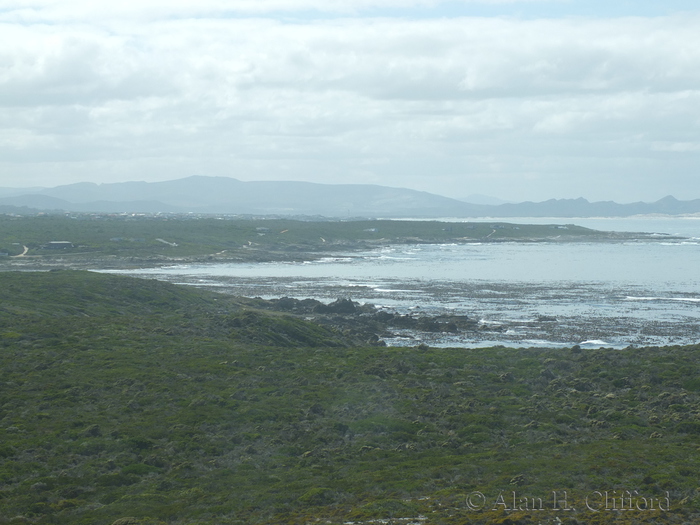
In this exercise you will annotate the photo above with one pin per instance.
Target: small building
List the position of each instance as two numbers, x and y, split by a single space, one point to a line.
58 245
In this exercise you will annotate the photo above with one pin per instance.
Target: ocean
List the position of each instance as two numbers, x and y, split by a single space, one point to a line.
611 294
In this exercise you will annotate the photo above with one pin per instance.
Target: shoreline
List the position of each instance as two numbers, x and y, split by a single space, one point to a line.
275 241
292 253
402 314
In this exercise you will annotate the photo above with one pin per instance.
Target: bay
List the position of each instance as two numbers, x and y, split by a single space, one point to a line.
523 294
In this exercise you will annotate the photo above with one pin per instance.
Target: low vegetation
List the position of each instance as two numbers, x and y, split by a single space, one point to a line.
132 401
93 241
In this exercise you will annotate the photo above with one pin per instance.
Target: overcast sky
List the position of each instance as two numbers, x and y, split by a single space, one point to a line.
517 99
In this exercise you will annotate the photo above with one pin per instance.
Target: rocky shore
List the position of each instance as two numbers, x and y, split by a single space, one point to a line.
369 324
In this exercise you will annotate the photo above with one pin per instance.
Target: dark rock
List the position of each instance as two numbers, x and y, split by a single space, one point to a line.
384 317
339 306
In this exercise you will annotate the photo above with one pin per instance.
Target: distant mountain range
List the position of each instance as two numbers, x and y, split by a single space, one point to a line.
222 195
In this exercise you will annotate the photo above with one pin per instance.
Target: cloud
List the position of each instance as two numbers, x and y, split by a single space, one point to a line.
64 10
420 60
369 100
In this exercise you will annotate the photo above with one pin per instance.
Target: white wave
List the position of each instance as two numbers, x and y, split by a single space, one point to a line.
203 284
324 260
540 342
595 342
678 299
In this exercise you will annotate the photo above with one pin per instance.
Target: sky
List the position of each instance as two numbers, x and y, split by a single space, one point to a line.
515 99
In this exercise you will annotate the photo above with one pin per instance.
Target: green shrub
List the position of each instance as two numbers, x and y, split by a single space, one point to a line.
116 480
139 469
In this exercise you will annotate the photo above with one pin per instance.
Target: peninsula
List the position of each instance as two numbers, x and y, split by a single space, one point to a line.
142 240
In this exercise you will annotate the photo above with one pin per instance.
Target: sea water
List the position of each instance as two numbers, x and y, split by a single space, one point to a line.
612 294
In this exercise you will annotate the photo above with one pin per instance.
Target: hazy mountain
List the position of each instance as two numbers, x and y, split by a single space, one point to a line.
226 195
582 208
12 192
36 201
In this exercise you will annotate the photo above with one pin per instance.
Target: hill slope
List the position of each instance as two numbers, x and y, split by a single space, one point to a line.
124 398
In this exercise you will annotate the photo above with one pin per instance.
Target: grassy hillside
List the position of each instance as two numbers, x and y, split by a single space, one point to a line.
123 398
